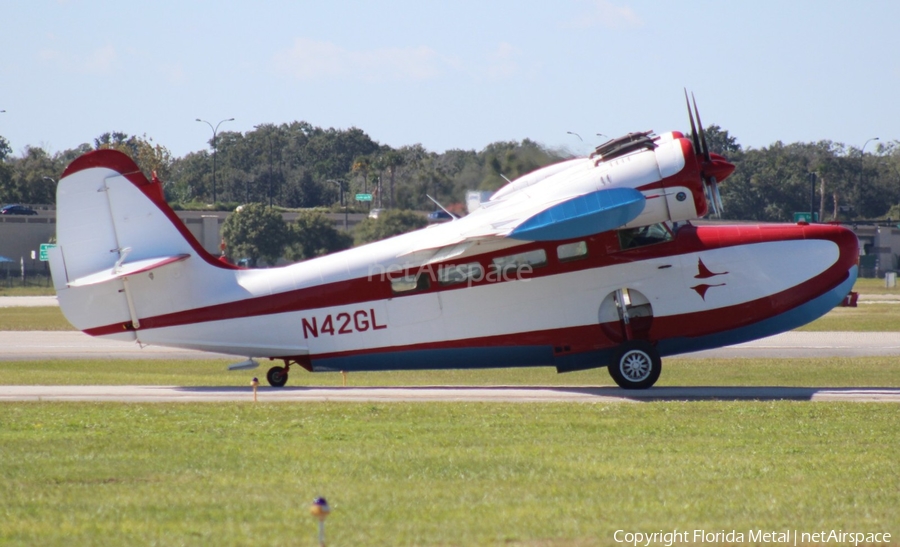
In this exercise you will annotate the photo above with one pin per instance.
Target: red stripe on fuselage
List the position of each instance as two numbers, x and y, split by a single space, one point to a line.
603 251
585 338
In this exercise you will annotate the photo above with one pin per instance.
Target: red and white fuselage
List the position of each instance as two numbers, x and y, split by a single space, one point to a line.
564 267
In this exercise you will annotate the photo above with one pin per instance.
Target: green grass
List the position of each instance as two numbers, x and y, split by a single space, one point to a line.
873 286
677 371
33 318
439 474
31 290
863 318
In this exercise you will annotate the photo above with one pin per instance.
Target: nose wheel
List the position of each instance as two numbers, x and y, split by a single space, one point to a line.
636 365
277 376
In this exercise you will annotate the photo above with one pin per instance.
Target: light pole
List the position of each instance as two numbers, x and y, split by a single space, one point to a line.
51 180
576 134
862 155
215 131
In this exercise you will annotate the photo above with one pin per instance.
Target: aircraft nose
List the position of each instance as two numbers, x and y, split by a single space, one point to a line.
847 243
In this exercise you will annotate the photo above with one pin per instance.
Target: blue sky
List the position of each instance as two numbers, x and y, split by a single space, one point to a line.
458 74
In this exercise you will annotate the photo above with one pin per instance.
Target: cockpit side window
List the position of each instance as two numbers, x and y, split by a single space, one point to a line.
631 238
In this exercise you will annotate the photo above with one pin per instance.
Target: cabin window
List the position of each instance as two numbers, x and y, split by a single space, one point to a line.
631 238
410 283
460 273
535 259
572 251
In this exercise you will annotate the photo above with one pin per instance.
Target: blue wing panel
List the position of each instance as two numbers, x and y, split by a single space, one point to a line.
583 216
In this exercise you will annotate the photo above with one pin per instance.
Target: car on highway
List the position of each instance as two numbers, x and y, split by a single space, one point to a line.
439 216
16 209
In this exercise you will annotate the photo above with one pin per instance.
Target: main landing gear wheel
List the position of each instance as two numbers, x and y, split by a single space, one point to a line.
635 365
277 376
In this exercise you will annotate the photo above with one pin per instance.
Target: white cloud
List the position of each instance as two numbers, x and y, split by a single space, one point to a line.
98 61
313 60
173 73
604 13
502 61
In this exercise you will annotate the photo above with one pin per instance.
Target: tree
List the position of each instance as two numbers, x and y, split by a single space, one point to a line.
720 142
150 157
312 235
5 149
255 231
388 224
362 165
393 160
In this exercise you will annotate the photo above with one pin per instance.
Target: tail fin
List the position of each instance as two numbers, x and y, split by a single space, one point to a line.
116 233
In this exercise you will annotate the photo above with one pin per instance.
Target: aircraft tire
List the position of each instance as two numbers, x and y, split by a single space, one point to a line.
277 376
635 365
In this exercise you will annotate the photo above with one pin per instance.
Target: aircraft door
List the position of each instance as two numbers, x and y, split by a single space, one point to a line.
626 314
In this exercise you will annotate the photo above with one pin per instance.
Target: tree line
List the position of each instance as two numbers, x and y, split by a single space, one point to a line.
298 165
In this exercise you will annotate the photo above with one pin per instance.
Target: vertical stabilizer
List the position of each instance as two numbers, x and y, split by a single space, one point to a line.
122 254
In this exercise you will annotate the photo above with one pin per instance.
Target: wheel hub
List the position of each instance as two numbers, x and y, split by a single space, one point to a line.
635 365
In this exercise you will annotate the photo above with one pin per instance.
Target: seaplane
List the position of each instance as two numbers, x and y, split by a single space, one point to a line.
587 263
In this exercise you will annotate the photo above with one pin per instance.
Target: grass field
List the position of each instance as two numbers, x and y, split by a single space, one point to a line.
874 286
839 372
31 290
33 318
439 474
865 317
445 473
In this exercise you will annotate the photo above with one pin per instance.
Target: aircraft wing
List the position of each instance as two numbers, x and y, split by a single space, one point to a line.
532 220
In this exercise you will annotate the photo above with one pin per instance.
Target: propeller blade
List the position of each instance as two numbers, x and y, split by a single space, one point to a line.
717 195
694 137
705 149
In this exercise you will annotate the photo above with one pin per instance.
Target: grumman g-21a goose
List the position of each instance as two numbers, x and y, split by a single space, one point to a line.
590 262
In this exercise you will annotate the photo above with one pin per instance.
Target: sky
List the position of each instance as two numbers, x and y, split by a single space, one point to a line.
450 74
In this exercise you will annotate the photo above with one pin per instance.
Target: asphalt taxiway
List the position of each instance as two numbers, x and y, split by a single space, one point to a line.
35 345
511 394
39 345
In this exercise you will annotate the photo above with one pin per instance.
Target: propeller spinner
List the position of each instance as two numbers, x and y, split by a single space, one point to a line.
713 167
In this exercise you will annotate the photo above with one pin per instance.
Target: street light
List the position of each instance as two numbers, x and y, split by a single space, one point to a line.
215 131
862 155
576 134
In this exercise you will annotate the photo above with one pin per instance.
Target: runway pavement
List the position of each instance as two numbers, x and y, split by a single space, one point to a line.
36 345
28 301
162 394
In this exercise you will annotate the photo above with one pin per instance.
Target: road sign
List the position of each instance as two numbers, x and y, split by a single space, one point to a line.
363 197
805 217
45 249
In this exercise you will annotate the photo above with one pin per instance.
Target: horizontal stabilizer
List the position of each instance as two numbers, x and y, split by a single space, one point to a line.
582 216
126 269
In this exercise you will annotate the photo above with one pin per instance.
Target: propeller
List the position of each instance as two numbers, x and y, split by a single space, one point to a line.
713 167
